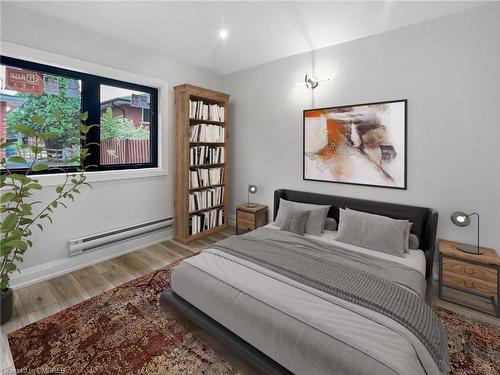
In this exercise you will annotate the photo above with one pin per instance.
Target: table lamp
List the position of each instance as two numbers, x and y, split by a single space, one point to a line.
252 189
461 219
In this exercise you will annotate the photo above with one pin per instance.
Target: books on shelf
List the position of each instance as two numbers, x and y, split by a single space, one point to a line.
206 177
197 109
206 220
215 113
206 133
206 155
201 111
200 200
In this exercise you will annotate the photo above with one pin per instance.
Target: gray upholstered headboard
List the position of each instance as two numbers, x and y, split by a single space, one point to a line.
424 219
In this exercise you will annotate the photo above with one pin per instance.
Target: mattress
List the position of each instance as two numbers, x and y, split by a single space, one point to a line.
303 329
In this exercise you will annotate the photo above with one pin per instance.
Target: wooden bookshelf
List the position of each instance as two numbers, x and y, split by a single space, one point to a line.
183 123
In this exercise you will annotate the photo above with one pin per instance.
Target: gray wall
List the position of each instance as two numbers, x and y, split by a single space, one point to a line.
448 69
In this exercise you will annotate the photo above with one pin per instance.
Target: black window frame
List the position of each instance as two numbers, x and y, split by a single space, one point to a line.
90 102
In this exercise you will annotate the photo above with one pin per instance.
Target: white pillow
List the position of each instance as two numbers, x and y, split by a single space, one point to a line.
375 232
317 215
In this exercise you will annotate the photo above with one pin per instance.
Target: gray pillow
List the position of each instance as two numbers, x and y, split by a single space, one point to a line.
317 216
414 242
331 224
373 232
295 221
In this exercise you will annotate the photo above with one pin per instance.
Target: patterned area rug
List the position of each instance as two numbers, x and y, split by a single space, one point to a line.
474 346
122 331
125 331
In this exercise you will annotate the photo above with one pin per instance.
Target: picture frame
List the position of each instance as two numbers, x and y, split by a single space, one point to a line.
358 144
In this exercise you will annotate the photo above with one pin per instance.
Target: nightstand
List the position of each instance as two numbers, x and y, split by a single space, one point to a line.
470 273
250 218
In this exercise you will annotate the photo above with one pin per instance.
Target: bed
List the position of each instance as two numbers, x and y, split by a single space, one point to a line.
285 324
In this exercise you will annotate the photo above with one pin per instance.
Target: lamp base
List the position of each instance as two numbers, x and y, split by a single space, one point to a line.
251 205
470 249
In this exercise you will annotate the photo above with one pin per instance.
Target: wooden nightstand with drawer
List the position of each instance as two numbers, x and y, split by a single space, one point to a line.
470 273
250 218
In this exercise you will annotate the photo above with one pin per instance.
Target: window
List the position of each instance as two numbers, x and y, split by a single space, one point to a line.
125 126
126 113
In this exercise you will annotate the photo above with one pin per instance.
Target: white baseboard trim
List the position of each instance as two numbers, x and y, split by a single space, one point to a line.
58 267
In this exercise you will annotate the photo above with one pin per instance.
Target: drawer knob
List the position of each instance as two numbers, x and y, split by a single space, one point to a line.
468 283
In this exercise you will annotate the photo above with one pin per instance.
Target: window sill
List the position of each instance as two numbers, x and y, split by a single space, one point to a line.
102 176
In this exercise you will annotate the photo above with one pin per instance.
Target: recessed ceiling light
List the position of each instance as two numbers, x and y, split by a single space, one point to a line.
223 34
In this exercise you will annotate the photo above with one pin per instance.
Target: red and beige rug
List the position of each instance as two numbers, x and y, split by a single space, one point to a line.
122 331
125 331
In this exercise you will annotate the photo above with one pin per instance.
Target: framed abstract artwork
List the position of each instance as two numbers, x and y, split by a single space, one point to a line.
361 144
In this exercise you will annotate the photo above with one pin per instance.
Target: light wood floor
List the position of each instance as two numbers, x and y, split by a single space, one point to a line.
40 300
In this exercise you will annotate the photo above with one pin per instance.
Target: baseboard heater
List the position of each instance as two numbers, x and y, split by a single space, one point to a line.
82 245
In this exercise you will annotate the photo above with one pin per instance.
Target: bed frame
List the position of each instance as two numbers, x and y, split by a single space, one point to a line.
424 227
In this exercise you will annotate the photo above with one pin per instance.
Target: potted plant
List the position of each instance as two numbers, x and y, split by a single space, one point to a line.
20 214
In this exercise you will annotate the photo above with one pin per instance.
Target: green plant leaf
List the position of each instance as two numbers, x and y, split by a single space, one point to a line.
34 186
6 144
4 281
8 197
37 119
25 221
19 177
36 149
9 223
24 129
17 159
39 167
17 244
5 250
40 226
84 129
84 116
10 266
46 136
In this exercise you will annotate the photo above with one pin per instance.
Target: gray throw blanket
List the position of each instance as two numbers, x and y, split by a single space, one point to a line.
388 288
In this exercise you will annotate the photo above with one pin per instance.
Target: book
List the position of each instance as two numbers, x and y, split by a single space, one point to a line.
206 220
198 110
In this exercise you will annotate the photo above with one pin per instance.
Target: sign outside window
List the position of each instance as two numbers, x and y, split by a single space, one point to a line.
22 80
140 101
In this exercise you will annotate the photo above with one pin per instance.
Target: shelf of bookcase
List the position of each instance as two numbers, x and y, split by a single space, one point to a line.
207 165
195 121
206 187
207 209
207 143
207 232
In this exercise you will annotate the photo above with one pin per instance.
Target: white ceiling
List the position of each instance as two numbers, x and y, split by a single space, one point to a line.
259 32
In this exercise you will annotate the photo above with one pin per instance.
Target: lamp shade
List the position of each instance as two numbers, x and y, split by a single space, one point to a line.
460 219
252 189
